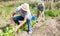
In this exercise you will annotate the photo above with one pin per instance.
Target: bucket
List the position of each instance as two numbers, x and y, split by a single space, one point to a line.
34 18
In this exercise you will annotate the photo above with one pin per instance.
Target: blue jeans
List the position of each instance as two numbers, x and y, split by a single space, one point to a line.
20 18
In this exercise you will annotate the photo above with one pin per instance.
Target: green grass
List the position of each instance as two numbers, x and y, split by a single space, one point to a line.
51 13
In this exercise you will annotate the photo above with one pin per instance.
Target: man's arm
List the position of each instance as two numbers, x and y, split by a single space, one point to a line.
12 15
14 12
11 19
38 13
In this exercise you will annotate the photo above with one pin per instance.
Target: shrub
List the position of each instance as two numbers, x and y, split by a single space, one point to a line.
1 32
8 32
51 13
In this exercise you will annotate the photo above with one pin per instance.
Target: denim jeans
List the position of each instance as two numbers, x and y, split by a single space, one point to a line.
20 18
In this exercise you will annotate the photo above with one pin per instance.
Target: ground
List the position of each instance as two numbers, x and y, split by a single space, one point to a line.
51 27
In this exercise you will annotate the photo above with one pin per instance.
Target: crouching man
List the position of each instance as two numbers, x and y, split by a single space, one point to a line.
40 11
25 16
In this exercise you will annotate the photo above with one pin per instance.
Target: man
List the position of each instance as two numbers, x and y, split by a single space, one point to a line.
25 15
40 11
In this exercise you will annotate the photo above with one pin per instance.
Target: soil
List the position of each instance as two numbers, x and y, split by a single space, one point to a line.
50 27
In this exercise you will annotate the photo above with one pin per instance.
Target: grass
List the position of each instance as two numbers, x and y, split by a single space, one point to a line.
52 13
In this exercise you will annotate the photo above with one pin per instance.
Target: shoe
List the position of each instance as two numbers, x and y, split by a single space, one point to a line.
29 32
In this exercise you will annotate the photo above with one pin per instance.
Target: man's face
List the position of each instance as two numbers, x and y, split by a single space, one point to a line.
23 11
41 5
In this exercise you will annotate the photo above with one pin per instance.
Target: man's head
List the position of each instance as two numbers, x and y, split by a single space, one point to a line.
24 7
42 5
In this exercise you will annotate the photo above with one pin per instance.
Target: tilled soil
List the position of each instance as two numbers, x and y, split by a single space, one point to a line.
49 27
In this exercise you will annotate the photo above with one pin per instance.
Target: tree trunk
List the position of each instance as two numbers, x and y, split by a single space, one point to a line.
51 6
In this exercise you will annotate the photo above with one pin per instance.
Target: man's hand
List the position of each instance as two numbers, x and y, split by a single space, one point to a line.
15 28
